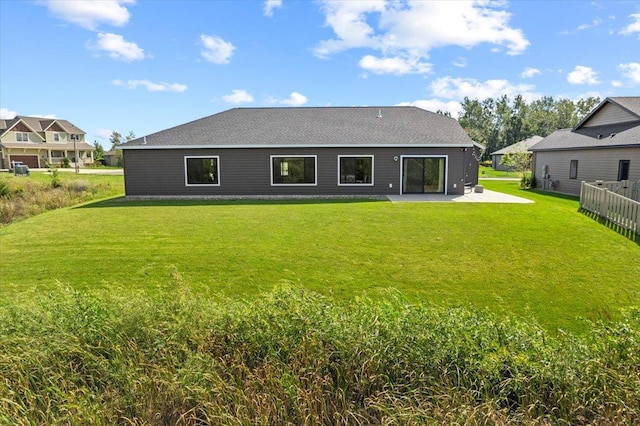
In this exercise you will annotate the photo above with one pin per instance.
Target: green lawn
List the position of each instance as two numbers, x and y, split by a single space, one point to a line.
488 172
544 260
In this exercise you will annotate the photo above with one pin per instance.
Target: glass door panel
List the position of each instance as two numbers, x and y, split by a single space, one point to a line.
423 175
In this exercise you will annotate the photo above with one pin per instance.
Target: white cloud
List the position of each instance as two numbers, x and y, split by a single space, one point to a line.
617 83
434 105
117 47
631 71
238 96
459 88
7 114
295 99
150 86
460 62
596 22
411 29
633 27
89 13
102 133
394 65
269 5
216 50
529 72
583 75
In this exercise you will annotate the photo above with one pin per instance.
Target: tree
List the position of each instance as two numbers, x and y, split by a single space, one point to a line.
98 153
498 123
518 160
116 139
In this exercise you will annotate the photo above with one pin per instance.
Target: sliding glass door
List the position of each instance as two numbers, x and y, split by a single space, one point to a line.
423 175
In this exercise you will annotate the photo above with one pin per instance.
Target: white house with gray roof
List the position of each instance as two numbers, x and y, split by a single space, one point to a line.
324 151
605 146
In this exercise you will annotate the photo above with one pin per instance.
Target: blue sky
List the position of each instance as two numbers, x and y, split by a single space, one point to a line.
148 65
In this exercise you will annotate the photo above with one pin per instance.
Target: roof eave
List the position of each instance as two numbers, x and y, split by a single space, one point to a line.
289 146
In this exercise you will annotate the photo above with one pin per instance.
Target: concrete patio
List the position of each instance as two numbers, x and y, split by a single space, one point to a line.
486 196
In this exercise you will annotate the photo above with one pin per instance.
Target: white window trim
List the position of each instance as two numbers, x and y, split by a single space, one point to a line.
315 177
56 137
446 169
199 185
358 156
22 136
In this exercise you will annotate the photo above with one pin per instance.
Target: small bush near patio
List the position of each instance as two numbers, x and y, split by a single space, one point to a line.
295 357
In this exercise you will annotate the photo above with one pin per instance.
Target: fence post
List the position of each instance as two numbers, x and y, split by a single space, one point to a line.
605 203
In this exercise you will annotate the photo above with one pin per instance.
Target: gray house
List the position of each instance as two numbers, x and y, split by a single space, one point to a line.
524 145
605 145
325 151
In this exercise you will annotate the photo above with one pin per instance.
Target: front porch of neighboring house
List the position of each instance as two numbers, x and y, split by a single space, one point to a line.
41 157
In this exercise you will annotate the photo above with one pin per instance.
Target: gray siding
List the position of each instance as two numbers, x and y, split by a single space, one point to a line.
610 114
593 164
160 172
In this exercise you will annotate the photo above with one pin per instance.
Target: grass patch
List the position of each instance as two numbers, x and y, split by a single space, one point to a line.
295 357
542 260
489 172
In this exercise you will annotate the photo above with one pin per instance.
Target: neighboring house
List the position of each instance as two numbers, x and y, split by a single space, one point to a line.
36 142
325 151
524 145
111 158
605 145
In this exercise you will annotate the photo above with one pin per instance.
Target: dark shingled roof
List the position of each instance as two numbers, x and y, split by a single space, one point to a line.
606 136
322 126
626 134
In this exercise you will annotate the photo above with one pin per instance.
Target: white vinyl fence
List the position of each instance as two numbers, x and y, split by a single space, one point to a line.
613 201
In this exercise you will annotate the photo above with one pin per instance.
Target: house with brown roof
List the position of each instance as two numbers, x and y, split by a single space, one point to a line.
604 146
38 142
325 151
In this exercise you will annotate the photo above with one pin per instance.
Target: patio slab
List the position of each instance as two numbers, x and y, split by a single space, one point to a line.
471 197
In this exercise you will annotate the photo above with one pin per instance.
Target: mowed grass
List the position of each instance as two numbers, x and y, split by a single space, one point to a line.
543 260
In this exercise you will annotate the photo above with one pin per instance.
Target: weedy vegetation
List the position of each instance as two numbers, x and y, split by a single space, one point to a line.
296 357
22 197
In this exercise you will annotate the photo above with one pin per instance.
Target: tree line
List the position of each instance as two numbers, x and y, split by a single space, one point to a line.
498 123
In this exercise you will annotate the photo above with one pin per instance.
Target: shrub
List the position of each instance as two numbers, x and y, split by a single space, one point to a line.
527 182
66 163
56 181
294 357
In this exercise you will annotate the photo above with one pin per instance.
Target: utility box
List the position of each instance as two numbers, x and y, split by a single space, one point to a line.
478 188
21 170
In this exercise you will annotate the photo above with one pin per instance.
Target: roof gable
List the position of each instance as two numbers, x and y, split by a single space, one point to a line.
613 111
309 126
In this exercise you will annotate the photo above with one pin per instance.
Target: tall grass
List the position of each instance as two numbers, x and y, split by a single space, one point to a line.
24 197
295 357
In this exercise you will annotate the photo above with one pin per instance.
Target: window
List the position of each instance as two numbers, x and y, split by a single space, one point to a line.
201 171
56 137
355 170
75 137
22 137
623 169
573 169
293 170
